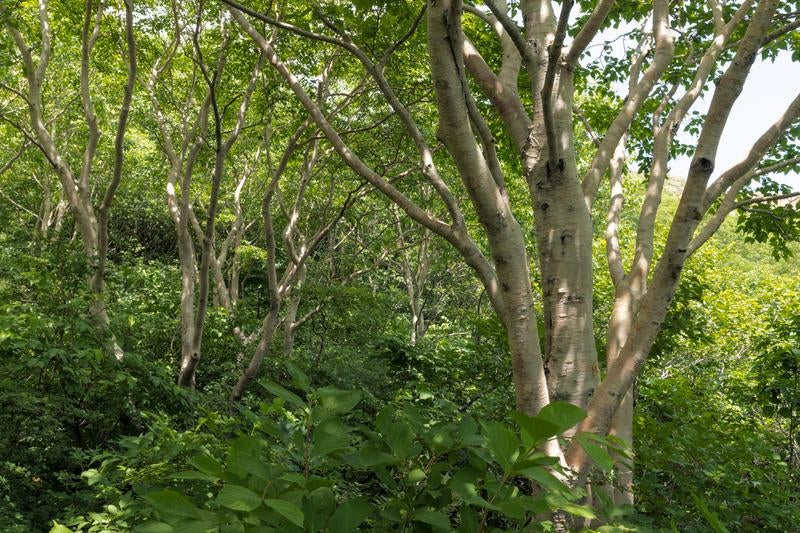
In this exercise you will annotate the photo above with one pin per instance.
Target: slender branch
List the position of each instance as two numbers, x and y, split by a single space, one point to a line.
554 57
588 31
376 71
44 22
716 13
756 152
8 164
663 134
17 205
505 101
119 141
523 47
729 203
590 131
664 50
764 199
88 40
780 32
613 252
403 38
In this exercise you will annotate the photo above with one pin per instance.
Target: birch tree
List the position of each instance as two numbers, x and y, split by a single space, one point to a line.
523 96
199 125
89 198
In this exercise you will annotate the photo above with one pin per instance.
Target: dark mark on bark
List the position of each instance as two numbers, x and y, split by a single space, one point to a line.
703 165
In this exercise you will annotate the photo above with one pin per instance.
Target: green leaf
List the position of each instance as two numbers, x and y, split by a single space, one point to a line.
171 502
397 434
513 508
281 392
502 442
330 436
464 485
578 510
245 445
368 457
299 378
534 459
563 415
435 518
192 474
535 431
545 479
194 526
287 510
349 515
469 520
238 498
599 455
58 528
153 527
336 401
554 419
207 465
559 502
317 508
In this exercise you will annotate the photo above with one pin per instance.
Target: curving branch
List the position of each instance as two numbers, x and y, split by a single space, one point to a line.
553 60
523 47
663 53
757 151
729 203
505 101
457 236
429 169
588 31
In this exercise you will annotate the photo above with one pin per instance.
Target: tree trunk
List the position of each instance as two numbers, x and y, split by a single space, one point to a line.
564 236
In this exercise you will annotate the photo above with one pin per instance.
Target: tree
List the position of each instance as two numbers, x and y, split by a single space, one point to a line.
192 136
523 106
91 218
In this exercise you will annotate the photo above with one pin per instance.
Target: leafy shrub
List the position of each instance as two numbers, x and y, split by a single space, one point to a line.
300 463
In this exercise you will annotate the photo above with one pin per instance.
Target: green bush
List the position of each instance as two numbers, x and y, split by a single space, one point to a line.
301 462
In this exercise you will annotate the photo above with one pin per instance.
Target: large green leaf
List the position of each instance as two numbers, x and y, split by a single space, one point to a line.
559 502
317 508
329 436
545 479
464 485
711 517
599 455
554 419
281 392
170 502
349 515
437 519
563 415
299 378
288 510
207 465
368 457
194 526
336 401
502 442
192 474
535 431
396 433
151 526
238 498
